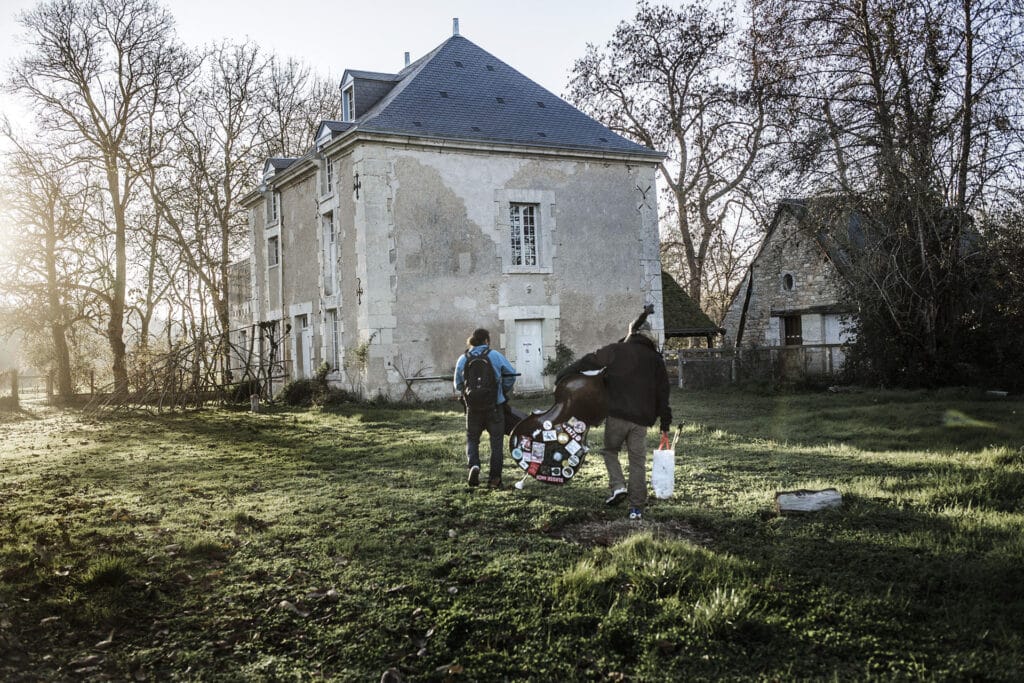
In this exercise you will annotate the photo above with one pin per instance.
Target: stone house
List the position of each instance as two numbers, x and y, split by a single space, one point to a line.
790 302
452 195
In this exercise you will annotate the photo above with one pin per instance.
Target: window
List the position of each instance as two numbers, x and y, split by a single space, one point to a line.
523 233
348 104
326 177
330 254
273 252
524 220
333 339
787 282
792 331
272 208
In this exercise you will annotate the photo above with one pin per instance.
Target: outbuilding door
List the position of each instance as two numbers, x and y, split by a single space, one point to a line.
529 354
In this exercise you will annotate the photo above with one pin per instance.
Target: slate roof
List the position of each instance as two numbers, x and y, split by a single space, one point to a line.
460 91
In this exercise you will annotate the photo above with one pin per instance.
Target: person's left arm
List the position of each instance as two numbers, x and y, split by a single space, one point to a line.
507 373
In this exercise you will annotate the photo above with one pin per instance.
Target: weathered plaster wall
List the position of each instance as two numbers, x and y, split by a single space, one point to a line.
423 257
299 243
432 232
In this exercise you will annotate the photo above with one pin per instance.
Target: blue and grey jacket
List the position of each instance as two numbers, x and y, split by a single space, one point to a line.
503 370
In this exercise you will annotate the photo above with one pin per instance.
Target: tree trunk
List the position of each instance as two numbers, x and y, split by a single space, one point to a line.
115 326
58 330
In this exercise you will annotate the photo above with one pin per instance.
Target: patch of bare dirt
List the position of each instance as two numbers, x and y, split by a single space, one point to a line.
606 533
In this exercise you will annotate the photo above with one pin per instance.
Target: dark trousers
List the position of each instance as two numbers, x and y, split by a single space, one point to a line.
494 422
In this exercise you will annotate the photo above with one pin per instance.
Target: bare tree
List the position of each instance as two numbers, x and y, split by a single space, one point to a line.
684 82
912 113
97 69
47 201
213 157
296 100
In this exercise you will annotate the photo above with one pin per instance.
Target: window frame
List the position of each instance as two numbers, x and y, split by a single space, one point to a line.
272 208
523 243
274 256
348 103
791 329
329 237
543 203
333 325
326 178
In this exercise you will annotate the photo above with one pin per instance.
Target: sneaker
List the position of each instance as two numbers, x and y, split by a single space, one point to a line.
618 495
474 476
636 514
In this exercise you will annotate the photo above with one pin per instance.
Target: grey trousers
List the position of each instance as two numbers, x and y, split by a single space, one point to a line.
617 432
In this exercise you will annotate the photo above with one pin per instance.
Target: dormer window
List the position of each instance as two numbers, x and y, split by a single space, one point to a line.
348 104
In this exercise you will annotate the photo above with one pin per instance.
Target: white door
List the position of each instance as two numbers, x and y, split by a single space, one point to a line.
529 354
303 347
307 351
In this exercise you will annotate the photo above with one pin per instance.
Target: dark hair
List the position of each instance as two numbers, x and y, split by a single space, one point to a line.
479 337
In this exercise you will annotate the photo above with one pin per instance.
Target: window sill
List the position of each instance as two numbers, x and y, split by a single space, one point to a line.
528 270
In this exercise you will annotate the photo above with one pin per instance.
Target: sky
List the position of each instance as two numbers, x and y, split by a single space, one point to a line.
539 38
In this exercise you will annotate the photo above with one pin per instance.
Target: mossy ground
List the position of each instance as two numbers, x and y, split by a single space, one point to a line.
300 545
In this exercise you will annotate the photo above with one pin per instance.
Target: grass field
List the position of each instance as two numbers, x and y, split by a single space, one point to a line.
307 545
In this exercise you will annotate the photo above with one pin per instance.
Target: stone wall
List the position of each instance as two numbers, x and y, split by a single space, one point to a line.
791 274
423 256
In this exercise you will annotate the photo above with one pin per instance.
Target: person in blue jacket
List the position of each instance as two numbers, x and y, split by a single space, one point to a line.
491 417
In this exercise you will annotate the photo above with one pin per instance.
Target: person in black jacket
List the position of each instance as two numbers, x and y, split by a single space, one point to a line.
638 396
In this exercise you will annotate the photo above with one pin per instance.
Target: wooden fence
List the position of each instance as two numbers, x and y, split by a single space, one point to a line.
704 368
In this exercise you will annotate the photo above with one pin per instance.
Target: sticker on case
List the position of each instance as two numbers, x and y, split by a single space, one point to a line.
573 447
550 435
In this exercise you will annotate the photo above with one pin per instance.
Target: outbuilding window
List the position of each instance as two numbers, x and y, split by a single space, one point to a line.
792 330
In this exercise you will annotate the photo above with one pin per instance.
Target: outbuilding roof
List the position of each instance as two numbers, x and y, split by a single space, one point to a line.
683 317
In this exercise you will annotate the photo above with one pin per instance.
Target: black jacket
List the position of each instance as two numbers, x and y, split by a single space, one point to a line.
636 379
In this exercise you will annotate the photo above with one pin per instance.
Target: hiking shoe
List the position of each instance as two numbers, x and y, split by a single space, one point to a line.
474 476
494 484
636 514
618 495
